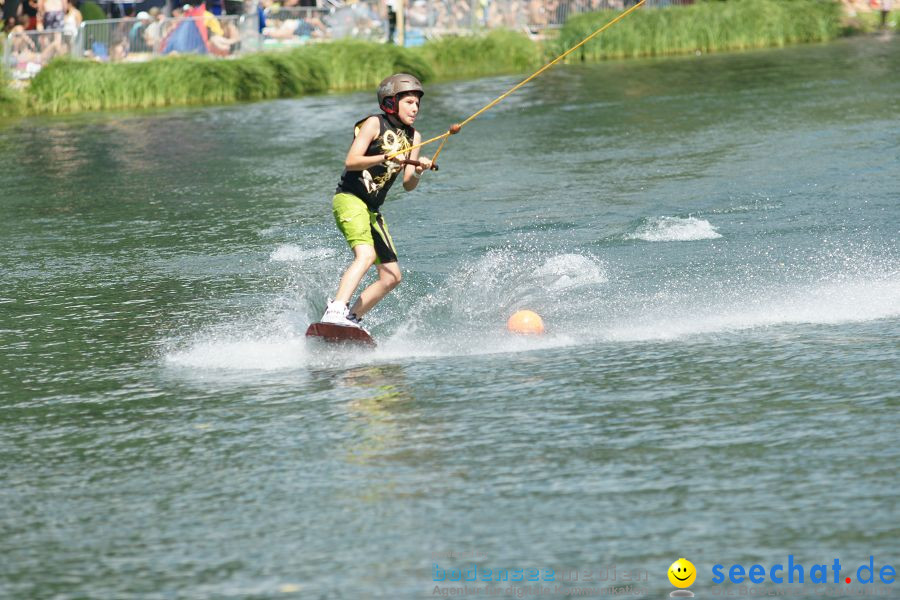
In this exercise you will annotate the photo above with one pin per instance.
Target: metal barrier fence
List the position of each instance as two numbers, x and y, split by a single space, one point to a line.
424 19
366 20
563 9
300 25
116 40
25 53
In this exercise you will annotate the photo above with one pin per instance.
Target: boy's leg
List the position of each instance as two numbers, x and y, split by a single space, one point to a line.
354 220
368 236
389 276
364 257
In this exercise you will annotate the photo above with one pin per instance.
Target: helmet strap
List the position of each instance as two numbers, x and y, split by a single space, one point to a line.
389 106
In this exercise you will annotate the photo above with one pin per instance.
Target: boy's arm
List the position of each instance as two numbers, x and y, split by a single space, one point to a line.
356 156
411 174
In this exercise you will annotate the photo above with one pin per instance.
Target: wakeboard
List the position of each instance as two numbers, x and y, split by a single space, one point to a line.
330 332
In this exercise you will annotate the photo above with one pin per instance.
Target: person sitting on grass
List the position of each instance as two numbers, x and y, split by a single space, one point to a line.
153 31
311 27
222 45
27 58
136 41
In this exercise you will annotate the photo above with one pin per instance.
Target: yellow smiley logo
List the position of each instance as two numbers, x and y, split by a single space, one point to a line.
682 573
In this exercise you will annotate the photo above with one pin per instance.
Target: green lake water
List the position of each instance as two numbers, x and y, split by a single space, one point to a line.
713 243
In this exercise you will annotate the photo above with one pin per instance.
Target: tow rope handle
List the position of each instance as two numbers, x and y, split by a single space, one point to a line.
413 163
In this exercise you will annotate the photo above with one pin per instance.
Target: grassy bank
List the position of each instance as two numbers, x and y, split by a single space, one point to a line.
75 85
12 102
477 56
705 26
71 86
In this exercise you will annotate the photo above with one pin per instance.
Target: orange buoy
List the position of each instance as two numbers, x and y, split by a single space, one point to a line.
526 321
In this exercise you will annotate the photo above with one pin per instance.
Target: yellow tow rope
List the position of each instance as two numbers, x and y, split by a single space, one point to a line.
456 127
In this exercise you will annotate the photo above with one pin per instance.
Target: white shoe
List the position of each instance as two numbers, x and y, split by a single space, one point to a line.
337 313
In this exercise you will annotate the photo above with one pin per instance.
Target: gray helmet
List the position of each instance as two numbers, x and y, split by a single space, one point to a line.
394 85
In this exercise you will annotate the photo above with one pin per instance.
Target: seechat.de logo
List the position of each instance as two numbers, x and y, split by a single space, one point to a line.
794 572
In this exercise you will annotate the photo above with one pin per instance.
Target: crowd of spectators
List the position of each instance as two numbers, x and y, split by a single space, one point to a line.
298 21
39 30
147 32
57 29
281 22
534 15
294 21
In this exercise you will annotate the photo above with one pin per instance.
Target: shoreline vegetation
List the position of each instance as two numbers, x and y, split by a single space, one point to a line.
70 85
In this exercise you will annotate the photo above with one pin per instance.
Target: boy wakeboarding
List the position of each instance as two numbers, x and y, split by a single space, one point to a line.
368 175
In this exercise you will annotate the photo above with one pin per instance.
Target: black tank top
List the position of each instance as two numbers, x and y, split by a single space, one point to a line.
371 185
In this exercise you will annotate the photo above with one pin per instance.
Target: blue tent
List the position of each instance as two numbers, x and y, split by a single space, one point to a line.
189 36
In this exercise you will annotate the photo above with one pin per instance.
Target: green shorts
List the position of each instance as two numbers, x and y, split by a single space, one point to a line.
362 226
